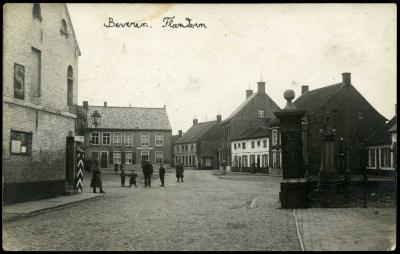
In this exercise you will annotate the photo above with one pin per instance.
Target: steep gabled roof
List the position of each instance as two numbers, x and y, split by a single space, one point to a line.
131 118
312 100
253 132
247 101
382 136
195 132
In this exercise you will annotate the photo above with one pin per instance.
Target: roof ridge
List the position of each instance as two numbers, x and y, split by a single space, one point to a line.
121 107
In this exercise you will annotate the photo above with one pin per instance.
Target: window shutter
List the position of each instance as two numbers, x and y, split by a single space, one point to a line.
133 158
111 157
122 158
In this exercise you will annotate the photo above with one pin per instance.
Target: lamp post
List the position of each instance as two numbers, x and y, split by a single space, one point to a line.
96 117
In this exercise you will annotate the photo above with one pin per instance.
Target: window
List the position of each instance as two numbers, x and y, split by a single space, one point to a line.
117 139
106 139
19 81
145 155
116 157
234 146
385 158
21 142
63 29
160 139
70 83
252 159
274 137
159 157
244 160
260 113
258 143
360 115
252 144
36 12
36 72
145 140
128 138
186 148
371 158
95 138
264 160
274 159
128 158
238 145
235 161
334 114
264 143
244 145
177 149
192 148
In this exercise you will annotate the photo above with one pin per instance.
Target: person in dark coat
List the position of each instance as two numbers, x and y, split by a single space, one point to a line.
123 175
161 172
132 179
147 172
179 171
253 166
96 177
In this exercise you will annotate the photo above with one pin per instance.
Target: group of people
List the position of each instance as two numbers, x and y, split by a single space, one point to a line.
147 168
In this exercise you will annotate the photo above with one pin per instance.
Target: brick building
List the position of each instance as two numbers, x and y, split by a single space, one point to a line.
256 106
198 147
40 73
343 108
173 139
128 136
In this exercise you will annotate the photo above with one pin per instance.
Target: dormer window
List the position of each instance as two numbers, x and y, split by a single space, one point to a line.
36 12
63 30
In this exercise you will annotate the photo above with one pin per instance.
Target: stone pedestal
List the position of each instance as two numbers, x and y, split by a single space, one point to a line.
294 188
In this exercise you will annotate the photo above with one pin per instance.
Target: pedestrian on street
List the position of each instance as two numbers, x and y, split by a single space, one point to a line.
161 172
132 179
147 172
123 175
179 171
253 165
96 177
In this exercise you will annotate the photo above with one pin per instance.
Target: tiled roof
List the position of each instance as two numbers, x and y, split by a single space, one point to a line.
241 106
254 132
195 132
382 136
312 100
131 118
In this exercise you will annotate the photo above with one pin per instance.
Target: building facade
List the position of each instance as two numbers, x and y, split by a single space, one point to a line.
128 136
198 147
40 89
256 107
342 108
173 139
252 146
275 151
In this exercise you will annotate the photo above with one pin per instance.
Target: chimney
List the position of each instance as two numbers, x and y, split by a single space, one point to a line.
249 93
105 104
346 78
180 133
219 118
85 105
195 121
304 89
261 87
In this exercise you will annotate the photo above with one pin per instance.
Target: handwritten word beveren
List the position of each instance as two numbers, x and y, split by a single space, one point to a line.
133 24
169 22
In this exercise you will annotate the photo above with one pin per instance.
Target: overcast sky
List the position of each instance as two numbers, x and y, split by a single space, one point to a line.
202 72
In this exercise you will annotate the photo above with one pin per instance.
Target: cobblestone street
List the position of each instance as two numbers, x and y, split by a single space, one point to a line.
206 212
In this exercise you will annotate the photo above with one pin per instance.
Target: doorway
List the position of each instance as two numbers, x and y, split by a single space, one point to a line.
70 165
103 159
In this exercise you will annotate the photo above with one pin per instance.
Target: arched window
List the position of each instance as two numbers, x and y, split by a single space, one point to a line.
63 30
36 12
70 82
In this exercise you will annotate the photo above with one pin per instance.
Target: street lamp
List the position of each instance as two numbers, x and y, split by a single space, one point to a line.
96 117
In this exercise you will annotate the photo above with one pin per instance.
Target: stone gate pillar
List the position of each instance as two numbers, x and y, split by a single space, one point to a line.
294 188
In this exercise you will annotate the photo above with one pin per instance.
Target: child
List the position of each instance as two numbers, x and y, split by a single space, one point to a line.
132 180
123 174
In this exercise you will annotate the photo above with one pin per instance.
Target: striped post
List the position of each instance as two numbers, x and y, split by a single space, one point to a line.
79 174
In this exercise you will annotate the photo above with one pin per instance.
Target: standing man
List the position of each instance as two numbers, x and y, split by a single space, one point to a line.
161 172
147 172
179 171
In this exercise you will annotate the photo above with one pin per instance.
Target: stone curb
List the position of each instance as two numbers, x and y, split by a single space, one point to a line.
8 217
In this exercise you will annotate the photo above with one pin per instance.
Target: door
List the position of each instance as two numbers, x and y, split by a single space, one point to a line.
103 160
70 165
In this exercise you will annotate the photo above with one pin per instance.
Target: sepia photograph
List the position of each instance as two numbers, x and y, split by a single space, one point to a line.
199 127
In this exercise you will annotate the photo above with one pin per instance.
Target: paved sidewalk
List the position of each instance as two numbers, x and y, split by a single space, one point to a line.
11 212
347 229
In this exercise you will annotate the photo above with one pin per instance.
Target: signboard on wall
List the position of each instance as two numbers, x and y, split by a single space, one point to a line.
79 139
19 81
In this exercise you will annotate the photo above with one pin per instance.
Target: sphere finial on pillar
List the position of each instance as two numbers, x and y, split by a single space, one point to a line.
289 95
